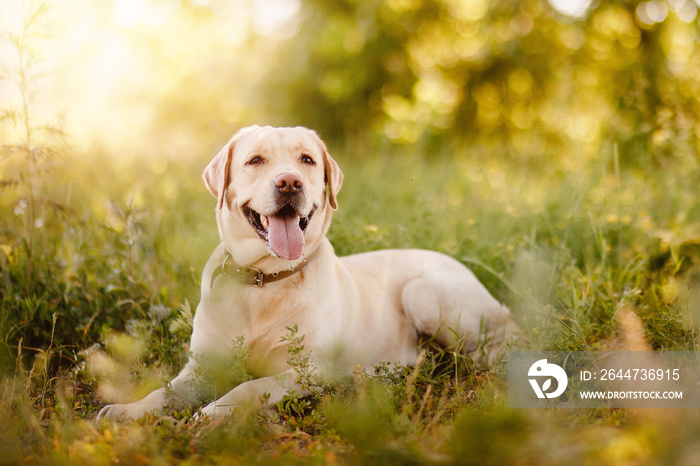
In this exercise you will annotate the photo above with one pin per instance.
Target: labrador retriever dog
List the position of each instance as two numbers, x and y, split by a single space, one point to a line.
276 190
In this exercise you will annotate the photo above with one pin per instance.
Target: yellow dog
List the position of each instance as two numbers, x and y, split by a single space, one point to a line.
276 190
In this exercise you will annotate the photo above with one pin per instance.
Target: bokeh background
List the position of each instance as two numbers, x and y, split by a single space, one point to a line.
552 81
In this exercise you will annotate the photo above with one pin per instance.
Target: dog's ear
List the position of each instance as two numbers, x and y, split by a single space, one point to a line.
334 179
334 176
216 175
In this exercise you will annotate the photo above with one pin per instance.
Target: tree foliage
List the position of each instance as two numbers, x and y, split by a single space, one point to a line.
503 72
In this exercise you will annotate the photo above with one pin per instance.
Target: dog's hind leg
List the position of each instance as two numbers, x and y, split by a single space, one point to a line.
455 308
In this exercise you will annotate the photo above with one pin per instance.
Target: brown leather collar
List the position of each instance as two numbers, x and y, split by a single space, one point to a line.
251 276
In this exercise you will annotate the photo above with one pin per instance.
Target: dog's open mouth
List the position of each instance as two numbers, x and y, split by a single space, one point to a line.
283 231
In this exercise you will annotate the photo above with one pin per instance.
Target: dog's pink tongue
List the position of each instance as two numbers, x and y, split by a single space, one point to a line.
285 236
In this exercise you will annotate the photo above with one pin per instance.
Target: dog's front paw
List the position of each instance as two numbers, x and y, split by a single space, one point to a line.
125 411
155 401
216 410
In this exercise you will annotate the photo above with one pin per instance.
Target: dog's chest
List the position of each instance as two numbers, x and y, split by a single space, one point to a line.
270 319
267 352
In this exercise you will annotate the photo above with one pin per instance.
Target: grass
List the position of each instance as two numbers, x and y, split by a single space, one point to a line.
107 313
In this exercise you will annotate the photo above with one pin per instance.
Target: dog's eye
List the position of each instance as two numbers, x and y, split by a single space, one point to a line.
307 159
256 160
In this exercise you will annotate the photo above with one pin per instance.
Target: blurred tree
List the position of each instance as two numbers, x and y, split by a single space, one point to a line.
515 73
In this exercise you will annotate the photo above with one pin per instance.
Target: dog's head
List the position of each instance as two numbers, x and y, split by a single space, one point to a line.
275 190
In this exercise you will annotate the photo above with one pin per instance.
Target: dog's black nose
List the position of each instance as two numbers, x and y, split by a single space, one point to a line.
288 183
